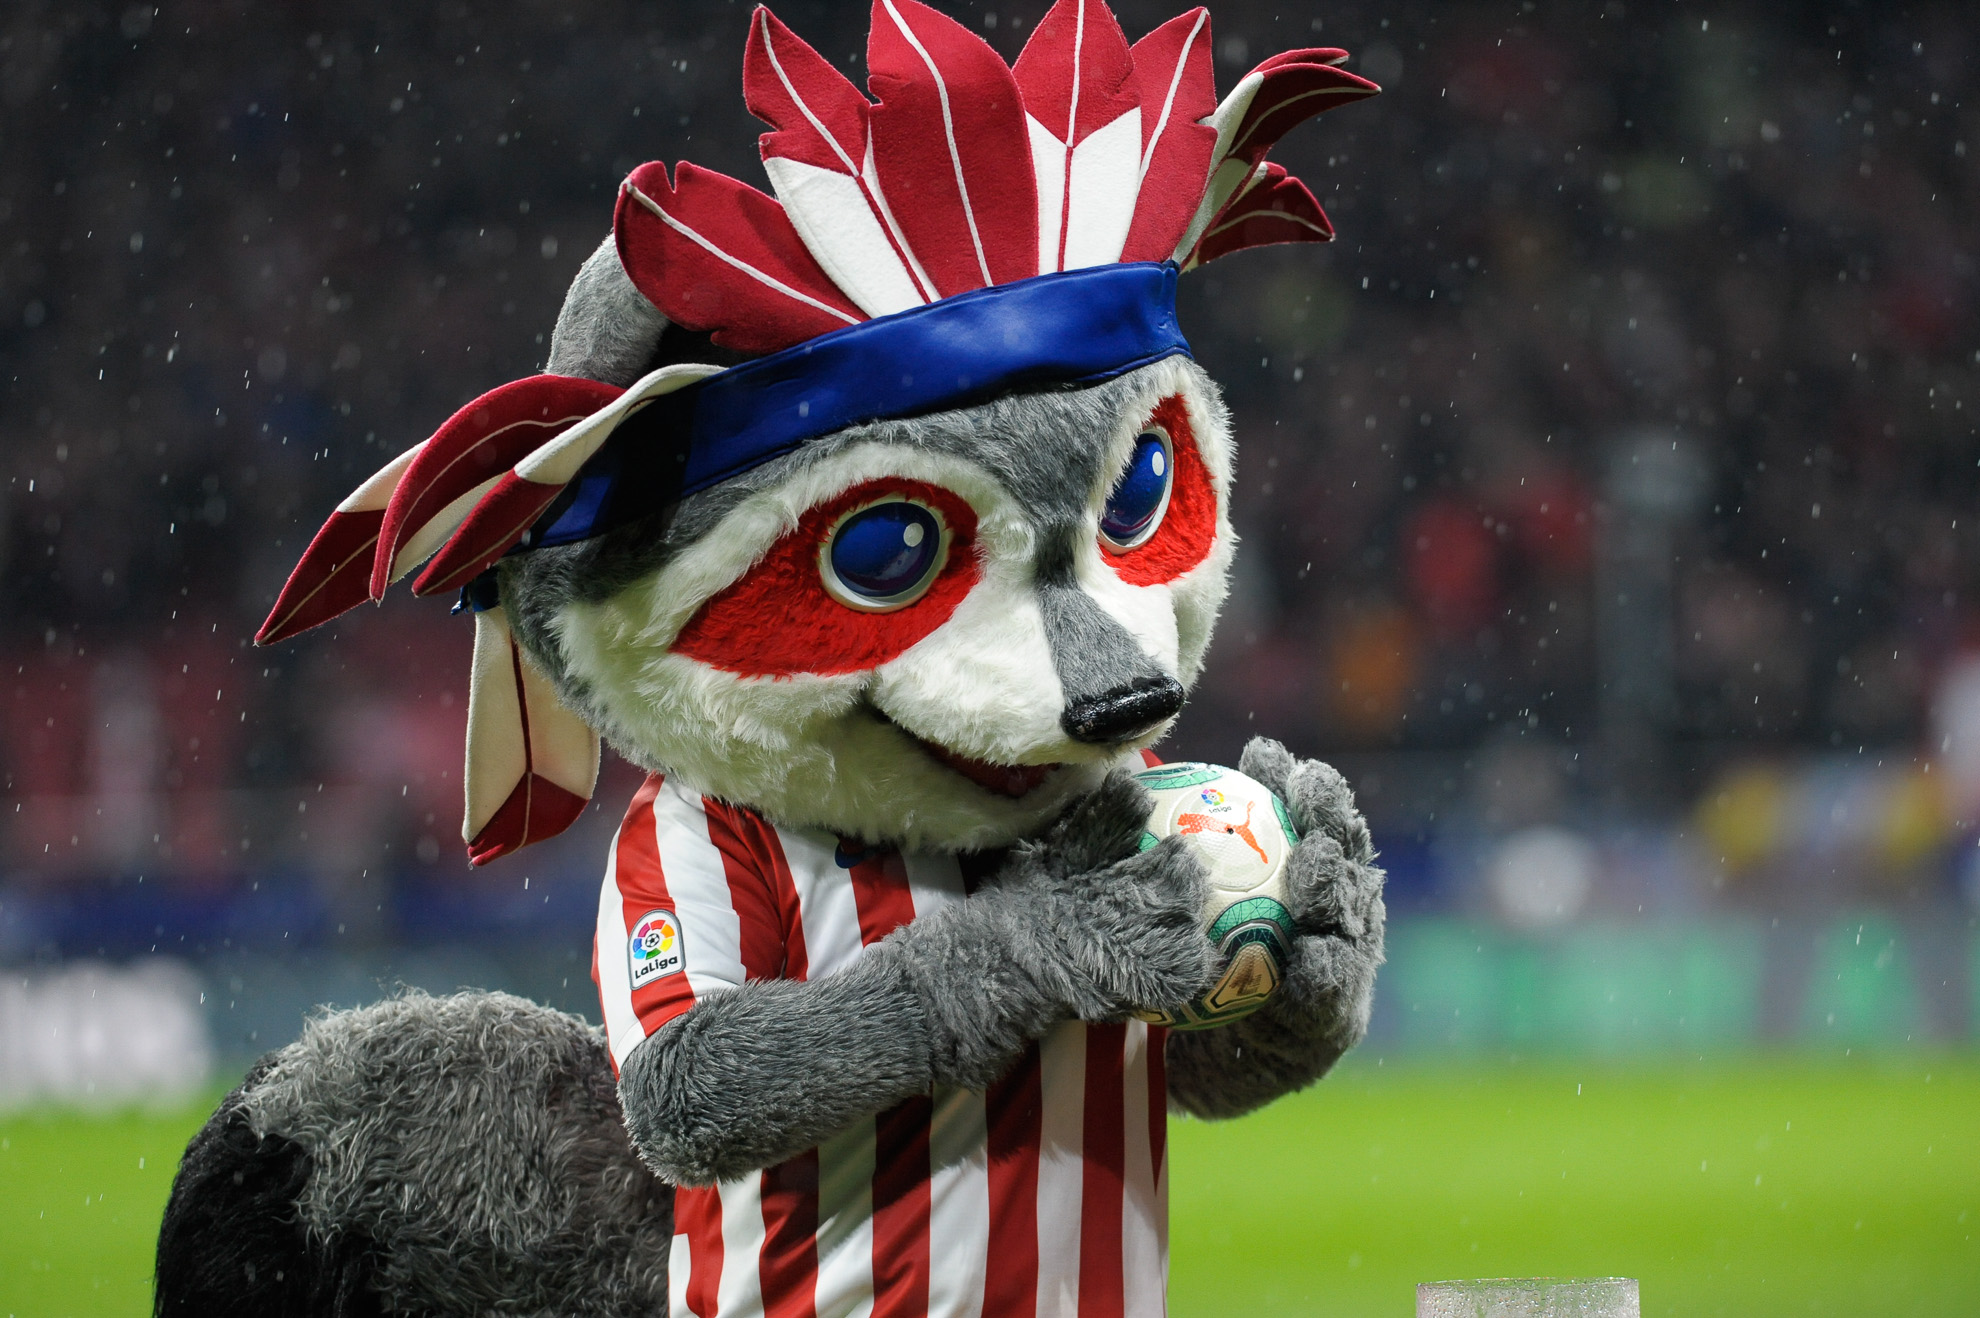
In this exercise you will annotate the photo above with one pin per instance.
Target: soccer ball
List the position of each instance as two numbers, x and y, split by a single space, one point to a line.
1240 831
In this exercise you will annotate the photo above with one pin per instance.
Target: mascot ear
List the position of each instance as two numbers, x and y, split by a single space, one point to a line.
531 763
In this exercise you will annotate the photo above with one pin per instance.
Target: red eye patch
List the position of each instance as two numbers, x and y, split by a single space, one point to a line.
1189 527
778 620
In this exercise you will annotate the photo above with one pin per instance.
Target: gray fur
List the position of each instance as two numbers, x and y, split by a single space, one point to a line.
1322 1009
1091 652
759 1073
1077 925
606 330
1048 448
1081 924
478 1139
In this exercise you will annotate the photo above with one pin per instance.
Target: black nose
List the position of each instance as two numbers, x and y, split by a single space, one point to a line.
1124 713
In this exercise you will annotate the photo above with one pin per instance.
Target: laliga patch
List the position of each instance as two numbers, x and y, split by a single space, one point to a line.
654 951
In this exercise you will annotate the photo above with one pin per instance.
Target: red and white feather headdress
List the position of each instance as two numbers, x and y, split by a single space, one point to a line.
961 173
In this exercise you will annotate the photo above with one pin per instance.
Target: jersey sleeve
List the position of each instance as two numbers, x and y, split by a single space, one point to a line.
679 916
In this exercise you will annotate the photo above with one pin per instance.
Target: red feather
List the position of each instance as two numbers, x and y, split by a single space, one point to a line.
951 149
512 504
1276 208
490 531
535 810
481 441
333 577
1077 78
334 574
818 160
1305 55
1076 74
1172 67
818 116
718 255
1298 85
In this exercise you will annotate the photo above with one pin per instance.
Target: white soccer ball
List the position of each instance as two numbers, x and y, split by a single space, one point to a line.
1240 831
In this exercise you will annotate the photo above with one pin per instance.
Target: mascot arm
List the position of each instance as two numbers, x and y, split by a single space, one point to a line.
1322 1009
1076 925
758 1073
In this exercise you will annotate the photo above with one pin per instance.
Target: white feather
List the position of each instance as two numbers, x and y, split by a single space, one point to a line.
376 492
557 462
1105 180
1048 167
495 753
831 214
557 745
1225 174
870 175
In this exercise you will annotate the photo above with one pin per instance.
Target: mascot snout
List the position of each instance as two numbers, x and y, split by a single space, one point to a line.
1125 713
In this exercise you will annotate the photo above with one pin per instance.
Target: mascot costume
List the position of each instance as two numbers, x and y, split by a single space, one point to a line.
884 521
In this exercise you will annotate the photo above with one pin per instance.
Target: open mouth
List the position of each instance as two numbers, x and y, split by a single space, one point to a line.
1012 780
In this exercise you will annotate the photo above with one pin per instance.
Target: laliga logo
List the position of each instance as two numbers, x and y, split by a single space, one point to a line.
654 949
653 938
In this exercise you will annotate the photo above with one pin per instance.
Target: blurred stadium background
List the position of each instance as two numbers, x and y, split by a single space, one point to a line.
1609 505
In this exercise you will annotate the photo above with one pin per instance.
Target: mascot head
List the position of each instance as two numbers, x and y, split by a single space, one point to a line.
892 505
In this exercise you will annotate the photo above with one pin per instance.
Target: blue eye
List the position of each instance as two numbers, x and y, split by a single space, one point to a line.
1141 495
883 556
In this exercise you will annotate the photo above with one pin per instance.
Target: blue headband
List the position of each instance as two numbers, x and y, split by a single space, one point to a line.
1072 328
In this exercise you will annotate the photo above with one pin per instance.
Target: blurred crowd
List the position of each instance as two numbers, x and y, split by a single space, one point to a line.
1620 441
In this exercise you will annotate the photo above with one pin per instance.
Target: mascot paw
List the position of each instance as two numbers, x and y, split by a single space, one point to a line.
1080 924
1136 934
1123 925
1334 883
1098 830
1336 890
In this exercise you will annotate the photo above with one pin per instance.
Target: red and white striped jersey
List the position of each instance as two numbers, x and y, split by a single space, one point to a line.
1046 1196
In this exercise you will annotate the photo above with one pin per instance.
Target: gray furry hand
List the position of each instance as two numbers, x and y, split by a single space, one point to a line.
1126 924
1080 924
1322 1008
1335 887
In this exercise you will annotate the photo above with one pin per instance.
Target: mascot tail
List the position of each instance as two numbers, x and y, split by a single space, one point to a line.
429 1155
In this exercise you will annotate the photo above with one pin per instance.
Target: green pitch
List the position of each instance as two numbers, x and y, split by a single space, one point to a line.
80 1198
1747 1187
1735 1186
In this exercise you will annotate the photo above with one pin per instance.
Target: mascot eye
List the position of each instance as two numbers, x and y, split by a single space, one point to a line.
1141 496
883 556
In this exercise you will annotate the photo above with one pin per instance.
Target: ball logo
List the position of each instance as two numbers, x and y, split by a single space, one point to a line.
1213 822
654 950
